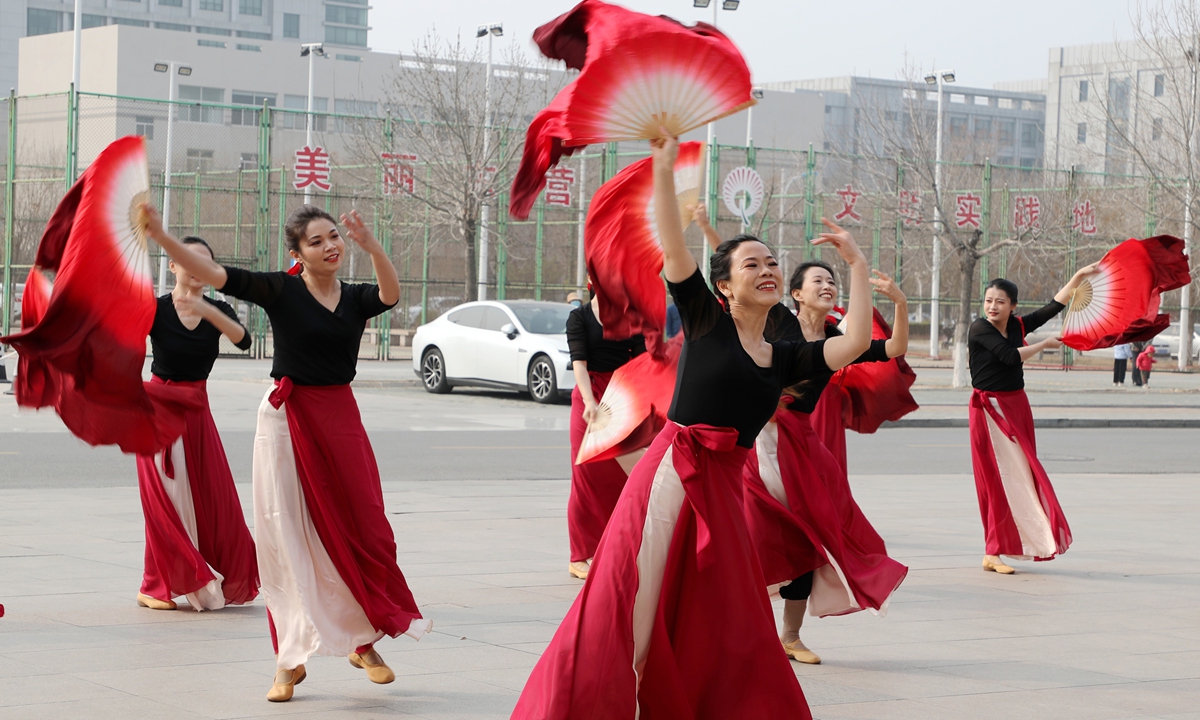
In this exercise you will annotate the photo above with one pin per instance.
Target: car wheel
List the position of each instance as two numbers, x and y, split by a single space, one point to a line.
433 372
542 383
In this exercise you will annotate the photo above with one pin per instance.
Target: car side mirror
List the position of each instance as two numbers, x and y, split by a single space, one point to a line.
510 330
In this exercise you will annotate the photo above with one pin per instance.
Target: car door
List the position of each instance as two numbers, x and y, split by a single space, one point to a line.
460 340
499 358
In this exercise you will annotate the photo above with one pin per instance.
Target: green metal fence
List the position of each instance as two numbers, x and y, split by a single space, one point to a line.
234 167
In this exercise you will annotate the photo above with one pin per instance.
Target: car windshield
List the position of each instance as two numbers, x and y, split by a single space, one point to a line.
542 318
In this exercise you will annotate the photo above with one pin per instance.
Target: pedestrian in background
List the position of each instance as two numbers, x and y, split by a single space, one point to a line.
1122 354
1145 362
1134 350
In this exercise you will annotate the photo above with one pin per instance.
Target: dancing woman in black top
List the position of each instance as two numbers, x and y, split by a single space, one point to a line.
674 619
595 486
1021 515
326 552
197 543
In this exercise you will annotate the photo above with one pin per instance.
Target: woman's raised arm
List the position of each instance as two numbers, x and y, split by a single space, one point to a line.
678 263
206 269
845 349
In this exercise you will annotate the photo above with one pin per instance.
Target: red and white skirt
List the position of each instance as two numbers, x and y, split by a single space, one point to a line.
803 518
1021 515
326 552
673 621
197 543
595 486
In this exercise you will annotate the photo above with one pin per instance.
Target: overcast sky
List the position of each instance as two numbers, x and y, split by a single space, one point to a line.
984 42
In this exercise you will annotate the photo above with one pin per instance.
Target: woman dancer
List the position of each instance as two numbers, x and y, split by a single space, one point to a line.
595 486
326 552
809 532
197 543
1021 515
673 620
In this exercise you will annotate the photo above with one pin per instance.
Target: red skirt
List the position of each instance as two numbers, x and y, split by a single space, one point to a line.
673 621
1021 515
828 421
595 486
803 518
197 542
326 550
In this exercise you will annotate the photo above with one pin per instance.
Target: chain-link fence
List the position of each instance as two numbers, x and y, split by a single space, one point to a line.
237 171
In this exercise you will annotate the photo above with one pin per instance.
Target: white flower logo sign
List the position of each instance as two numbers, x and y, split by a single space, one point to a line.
743 192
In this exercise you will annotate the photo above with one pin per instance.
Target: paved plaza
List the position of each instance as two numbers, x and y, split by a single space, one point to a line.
476 486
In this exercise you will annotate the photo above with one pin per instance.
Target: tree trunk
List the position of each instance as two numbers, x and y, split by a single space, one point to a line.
469 228
968 259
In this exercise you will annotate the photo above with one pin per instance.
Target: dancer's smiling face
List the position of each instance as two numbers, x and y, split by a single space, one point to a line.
997 306
321 247
817 291
754 277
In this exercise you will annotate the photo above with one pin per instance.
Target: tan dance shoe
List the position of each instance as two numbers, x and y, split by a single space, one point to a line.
154 603
993 563
377 670
796 651
285 684
579 569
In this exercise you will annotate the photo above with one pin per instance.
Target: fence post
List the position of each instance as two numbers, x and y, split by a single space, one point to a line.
877 222
1002 258
540 238
385 235
899 260
1151 209
72 136
425 254
262 219
610 162
714 172
237 210
987 224
810 189
10 176
502 248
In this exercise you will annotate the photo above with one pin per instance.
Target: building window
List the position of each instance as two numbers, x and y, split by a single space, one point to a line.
1081 133
958 125
173 26
170 3
213 31
352 107
249 161
354 2
144 126
1030 133
127 21
213 5
249 116
1156 129
250 7
350 58
1007 132
249 48
296 121
1029 163
253 35
198 161
291 25
345 15
198 113
41 22
345 36
1083 90
983 128
211 43
91 21
1160 85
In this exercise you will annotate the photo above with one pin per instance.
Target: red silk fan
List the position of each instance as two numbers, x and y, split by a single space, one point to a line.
876 391
639 73
624 254
634 406
1119 303
83 342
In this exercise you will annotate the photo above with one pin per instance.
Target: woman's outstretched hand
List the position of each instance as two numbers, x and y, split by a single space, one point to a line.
357 231
151 220
664 150
886 286
842 241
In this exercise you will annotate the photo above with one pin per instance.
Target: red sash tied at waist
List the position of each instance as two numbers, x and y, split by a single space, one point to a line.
282 391
201 386
983 400
686 447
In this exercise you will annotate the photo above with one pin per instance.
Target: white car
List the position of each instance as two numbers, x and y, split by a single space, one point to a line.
511 344
1168 342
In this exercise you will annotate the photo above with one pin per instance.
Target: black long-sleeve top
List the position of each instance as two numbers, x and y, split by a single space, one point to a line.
808 393
995 360
186 355
585 339
313 345
718 383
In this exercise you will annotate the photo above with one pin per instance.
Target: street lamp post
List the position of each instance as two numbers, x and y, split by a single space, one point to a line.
937 78
172 69
311 51
1185 293
710 180
491 30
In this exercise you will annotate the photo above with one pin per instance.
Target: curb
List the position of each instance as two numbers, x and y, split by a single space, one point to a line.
1053 423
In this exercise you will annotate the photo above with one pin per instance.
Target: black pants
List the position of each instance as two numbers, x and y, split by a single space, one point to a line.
1137 376
1145 377
798 589
1119 371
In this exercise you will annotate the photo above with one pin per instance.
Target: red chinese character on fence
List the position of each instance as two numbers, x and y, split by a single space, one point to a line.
487 177
399 177
849 198
559 180
1027 212
966 210
312 168
910 207
1084 218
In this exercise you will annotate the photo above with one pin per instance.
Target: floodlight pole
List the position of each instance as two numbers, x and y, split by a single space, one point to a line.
710 179
1185 293
311 50
935 284
172 70
491 30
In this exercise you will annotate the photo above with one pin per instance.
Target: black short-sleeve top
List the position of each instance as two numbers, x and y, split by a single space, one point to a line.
718 383
585 339
995 360
313 345
808 393
184 355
